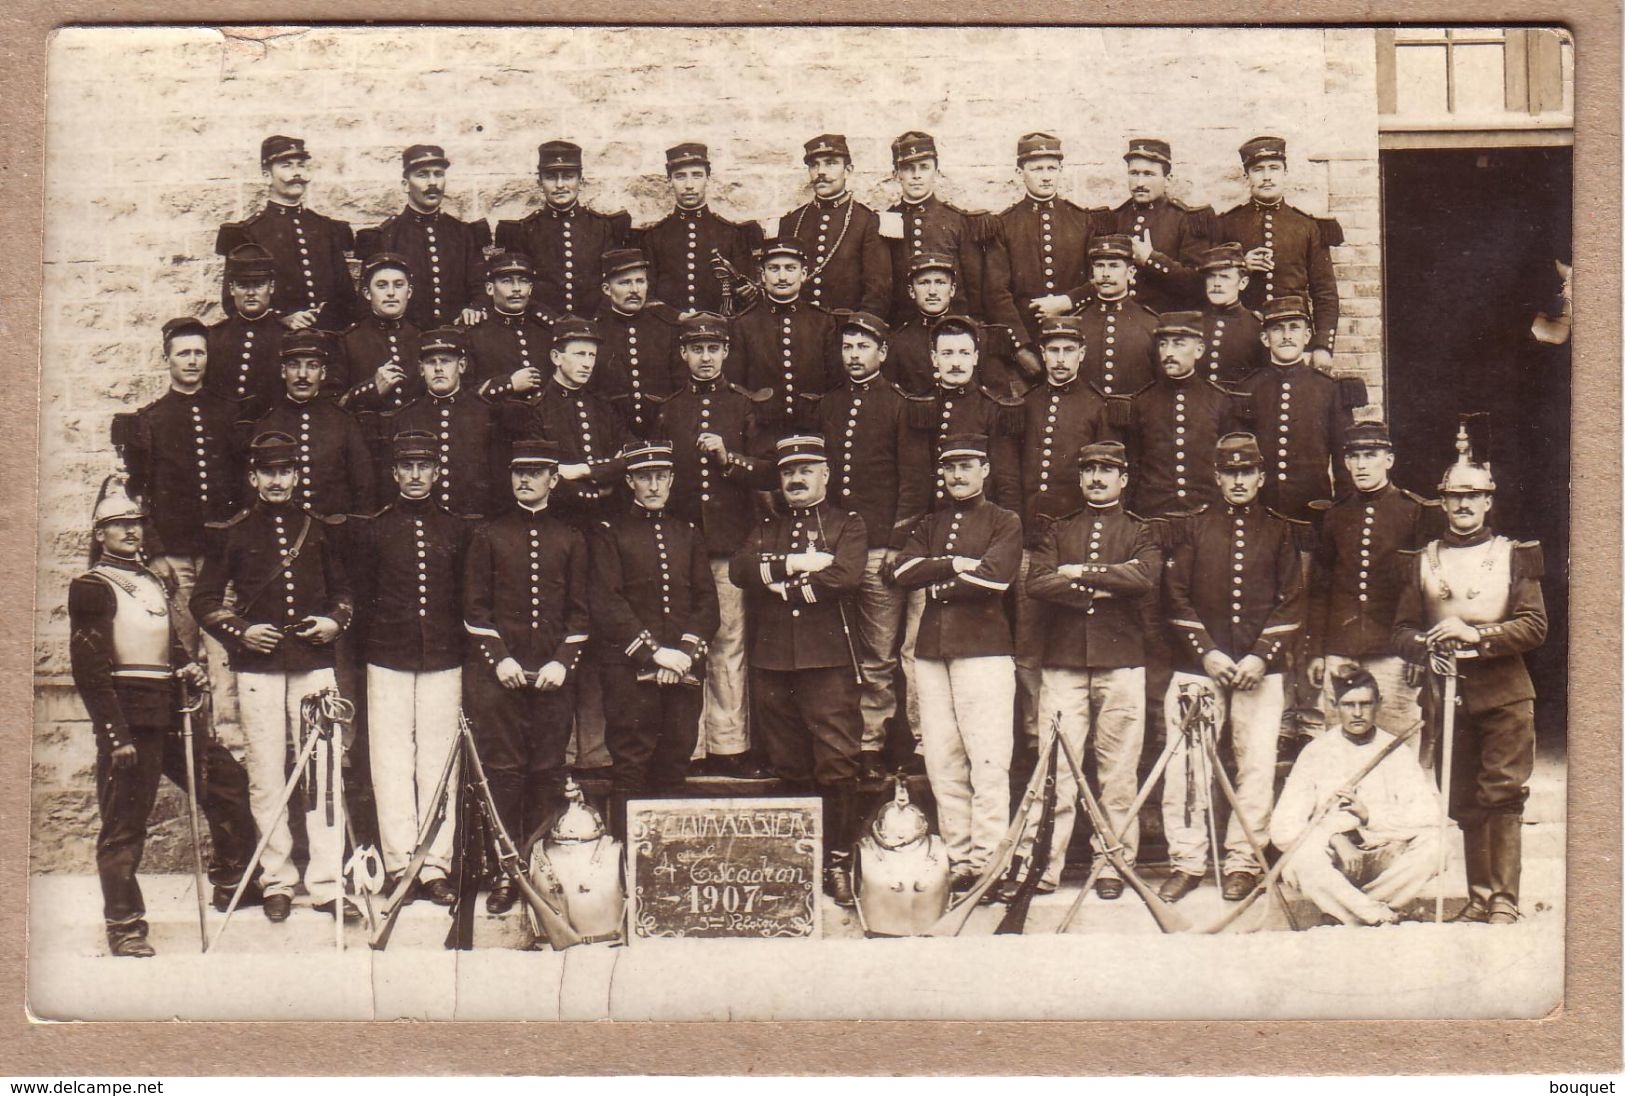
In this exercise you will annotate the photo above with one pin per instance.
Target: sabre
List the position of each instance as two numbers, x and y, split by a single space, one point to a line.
840 609
1443 662
190 704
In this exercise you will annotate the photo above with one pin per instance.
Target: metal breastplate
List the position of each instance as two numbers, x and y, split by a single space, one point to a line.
140 623
1473 583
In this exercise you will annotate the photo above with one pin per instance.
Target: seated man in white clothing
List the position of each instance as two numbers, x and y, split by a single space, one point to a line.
1378 847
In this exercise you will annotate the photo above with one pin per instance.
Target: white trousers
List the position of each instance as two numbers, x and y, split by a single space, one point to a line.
966 711
1255 723
723 728
412 724
1354 885
202 646
1111 703
269 704
913 611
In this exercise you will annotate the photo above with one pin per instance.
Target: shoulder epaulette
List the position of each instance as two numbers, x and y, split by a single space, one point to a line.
232 234
741 389
229 522
1320 506
1002 401
369 241
1350 390
662 311
1119 411
1331 232
1419 499
1302 532
1529 561
327 519
621 219
1186 207
922 411
760 395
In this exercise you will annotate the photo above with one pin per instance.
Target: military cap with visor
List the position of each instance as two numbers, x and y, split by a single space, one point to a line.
278 147
307 342
912 146
800 449
272 449
922 261
1103 452
558 156
703 327
1262 148
1150 148
1061 327
1237 450
689 152
1114 246
622 259
449 340
248 261
1223 257
536 451
1032 145
962 447
413 445
384 260
647 454
1180 323
417 156
574 328
184 325
826 144
1281 309
509 262
867 322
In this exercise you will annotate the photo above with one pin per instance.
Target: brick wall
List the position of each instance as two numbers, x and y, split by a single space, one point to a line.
153 140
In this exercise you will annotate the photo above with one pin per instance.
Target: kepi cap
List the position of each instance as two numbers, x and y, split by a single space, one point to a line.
689 152
437 339
249 261
1061 327
961 446
1180 323
787 246
826 144
647 454
1367 435
1112 247
922 261
384 260
1280 309
1237 451
278 147
308 342
1150 148
1032 145
535 451
1103 452
1223 257
912 146
866 322
413 445
574 328
623 259
800 449
703 327
509 262
1262 148
558 156
421 155
272 449
955 321
184 325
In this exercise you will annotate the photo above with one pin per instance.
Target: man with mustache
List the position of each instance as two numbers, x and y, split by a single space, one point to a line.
930 225
640 366
848 264
932 285
292 600
1037 252
1059 417
1379 847
800 570
1235 604
1168 235
412 639
334 465
564 239
1119 351
1230 330
1287 252
508 348
243 346
680 246
128 664
1358 572
717 447
880 470
447 255
1477 595
312 286
469 438
372 372
1095 569
785 344
526 615
1302 415
183 466
963 558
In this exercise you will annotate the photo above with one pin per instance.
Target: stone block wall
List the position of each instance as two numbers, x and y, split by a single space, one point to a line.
153 138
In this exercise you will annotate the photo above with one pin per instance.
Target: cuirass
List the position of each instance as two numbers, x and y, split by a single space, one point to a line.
1471 583
140 623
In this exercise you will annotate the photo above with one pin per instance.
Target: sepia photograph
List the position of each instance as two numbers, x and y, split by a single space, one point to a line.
803 523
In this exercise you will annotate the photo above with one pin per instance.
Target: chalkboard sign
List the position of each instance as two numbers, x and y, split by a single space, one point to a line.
725 867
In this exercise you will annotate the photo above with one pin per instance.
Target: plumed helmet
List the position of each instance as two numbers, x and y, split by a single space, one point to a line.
114 502
899 823
1466 477
579 821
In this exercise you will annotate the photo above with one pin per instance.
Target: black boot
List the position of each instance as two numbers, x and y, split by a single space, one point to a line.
838 802
1475 851
838 880
1504 838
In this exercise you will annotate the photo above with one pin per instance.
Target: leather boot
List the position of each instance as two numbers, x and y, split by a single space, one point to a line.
838 880
1476 856
1504 837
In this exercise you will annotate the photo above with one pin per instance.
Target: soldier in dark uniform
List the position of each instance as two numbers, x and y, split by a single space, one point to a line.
638 362
685 244
880 470
446 255
933 226
932 284
1232 332
959 405
800 571
1235 604
565 240
1287 251
525 610
470 442
964 557
654 607
1358 574
312 286
373 371
1477 594
1172 425
411 606
1120 357
849 265
178 450
508 348
785 342
127 662
1058 418
1095 568
716 442
244 346
1038 251
1168 235
291 601
336 474
1300 414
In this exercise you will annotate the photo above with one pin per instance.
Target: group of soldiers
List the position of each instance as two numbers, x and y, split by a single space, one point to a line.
814 499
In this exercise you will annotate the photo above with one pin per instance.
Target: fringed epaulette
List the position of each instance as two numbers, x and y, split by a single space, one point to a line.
1177 526
1528 561
482 232
229 522
663 312
1350 390
982 225
1303 533
1007 419
126 429
370 241
1330 230
620 220
510 234
1119 412
922 411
